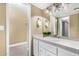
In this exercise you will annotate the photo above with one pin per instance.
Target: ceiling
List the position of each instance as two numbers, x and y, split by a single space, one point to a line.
61 13
72 9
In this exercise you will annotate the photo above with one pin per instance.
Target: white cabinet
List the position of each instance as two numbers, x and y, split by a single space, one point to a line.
44 49
41 51
48 47
41 48
51 48
35 47
62 52
49 53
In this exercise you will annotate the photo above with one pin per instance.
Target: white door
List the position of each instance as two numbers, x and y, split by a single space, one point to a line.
18 29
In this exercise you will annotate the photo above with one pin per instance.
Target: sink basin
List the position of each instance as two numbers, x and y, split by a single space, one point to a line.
51 38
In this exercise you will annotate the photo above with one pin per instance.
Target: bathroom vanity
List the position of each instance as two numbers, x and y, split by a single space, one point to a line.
64 35
52 46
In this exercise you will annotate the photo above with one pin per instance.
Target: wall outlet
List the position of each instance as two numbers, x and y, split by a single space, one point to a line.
1 28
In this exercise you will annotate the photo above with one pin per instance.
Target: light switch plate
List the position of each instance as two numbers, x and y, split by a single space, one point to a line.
1 28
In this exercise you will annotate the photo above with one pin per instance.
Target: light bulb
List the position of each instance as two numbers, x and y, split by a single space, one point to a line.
46 11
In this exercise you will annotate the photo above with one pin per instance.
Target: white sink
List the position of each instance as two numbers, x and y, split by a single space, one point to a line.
51 39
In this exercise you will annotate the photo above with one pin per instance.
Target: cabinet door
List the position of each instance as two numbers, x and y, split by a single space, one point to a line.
49 47
42 47
35 47
62 52
41 51
49 54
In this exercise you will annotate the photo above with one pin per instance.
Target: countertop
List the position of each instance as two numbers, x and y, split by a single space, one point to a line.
71 45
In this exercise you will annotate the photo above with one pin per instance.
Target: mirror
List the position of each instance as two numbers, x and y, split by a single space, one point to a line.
64 26
67 20
68 26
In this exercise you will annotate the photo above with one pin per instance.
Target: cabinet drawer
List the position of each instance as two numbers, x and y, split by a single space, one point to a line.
49 54
49 47
62 52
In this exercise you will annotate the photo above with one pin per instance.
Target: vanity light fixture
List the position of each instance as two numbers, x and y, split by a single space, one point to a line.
1 28
61 6
46 11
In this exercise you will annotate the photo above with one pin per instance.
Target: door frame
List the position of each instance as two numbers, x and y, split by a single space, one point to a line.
8 28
